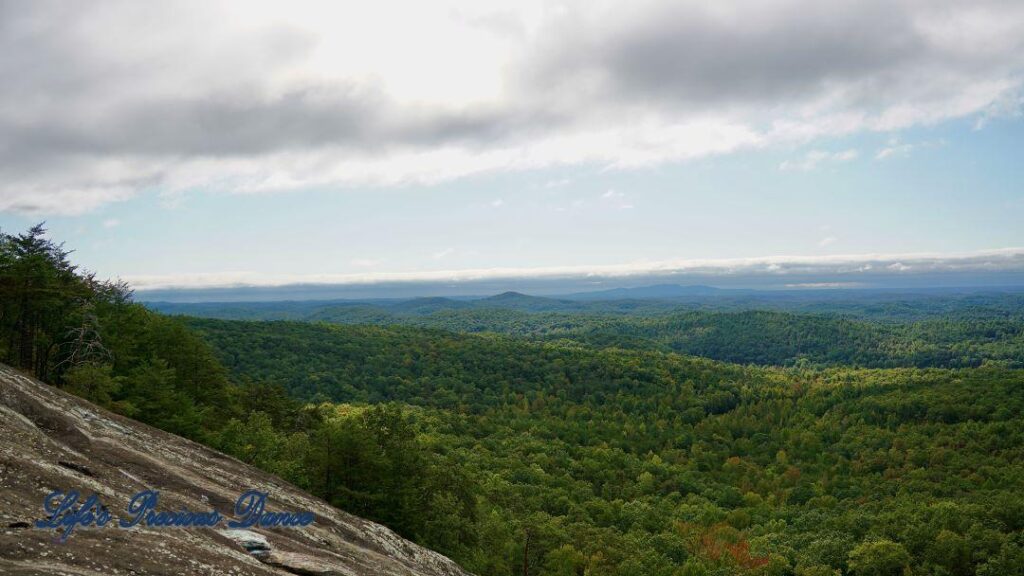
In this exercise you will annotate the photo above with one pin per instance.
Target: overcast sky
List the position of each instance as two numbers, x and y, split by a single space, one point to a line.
203 143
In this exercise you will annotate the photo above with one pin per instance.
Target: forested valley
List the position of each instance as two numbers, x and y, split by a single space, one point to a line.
877 331
553 442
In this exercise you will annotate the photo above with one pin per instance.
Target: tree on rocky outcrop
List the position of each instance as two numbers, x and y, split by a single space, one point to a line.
48 309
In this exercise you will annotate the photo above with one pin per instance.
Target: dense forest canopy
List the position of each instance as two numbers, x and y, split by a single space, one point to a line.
949 331
623 454
560 443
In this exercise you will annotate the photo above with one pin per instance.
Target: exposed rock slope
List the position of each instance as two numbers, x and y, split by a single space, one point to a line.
50 440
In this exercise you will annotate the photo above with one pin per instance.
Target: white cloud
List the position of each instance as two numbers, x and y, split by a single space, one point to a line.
260 96
111 223
497 203
827 241
894 148
826 285
1010 105
558 183
617 199
812 159
442 253
1007 259
69 199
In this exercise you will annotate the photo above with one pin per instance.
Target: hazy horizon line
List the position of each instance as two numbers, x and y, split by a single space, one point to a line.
1004 266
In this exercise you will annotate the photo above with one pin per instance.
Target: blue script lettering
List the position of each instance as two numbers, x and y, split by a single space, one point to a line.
142 509
250 511
67 511
60 507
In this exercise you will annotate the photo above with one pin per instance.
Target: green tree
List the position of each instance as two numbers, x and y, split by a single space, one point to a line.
879 558
96 383
1009 562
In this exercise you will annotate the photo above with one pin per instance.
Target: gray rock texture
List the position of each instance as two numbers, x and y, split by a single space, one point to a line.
51 440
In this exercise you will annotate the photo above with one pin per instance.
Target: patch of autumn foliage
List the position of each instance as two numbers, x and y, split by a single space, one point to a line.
722 545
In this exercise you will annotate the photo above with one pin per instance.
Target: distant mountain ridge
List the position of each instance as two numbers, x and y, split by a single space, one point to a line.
646 300
655 291
519 301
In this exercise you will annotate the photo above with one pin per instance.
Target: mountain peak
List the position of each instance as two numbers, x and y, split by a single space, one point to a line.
510 295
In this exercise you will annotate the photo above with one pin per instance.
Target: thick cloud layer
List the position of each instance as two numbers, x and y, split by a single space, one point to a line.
102 100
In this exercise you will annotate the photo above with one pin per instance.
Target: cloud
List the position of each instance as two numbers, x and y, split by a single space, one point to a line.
558 182
892 149
442 253
1011 105
685 53
812 159
853 266
826 285
896 149
70 198
617 199
255 97
827 241
111 223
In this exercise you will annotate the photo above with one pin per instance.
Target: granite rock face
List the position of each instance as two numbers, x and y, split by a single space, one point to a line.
50 440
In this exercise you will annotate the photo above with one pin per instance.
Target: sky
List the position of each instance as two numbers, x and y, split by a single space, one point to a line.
203 144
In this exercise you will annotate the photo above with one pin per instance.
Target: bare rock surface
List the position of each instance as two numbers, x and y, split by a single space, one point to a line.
51 440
